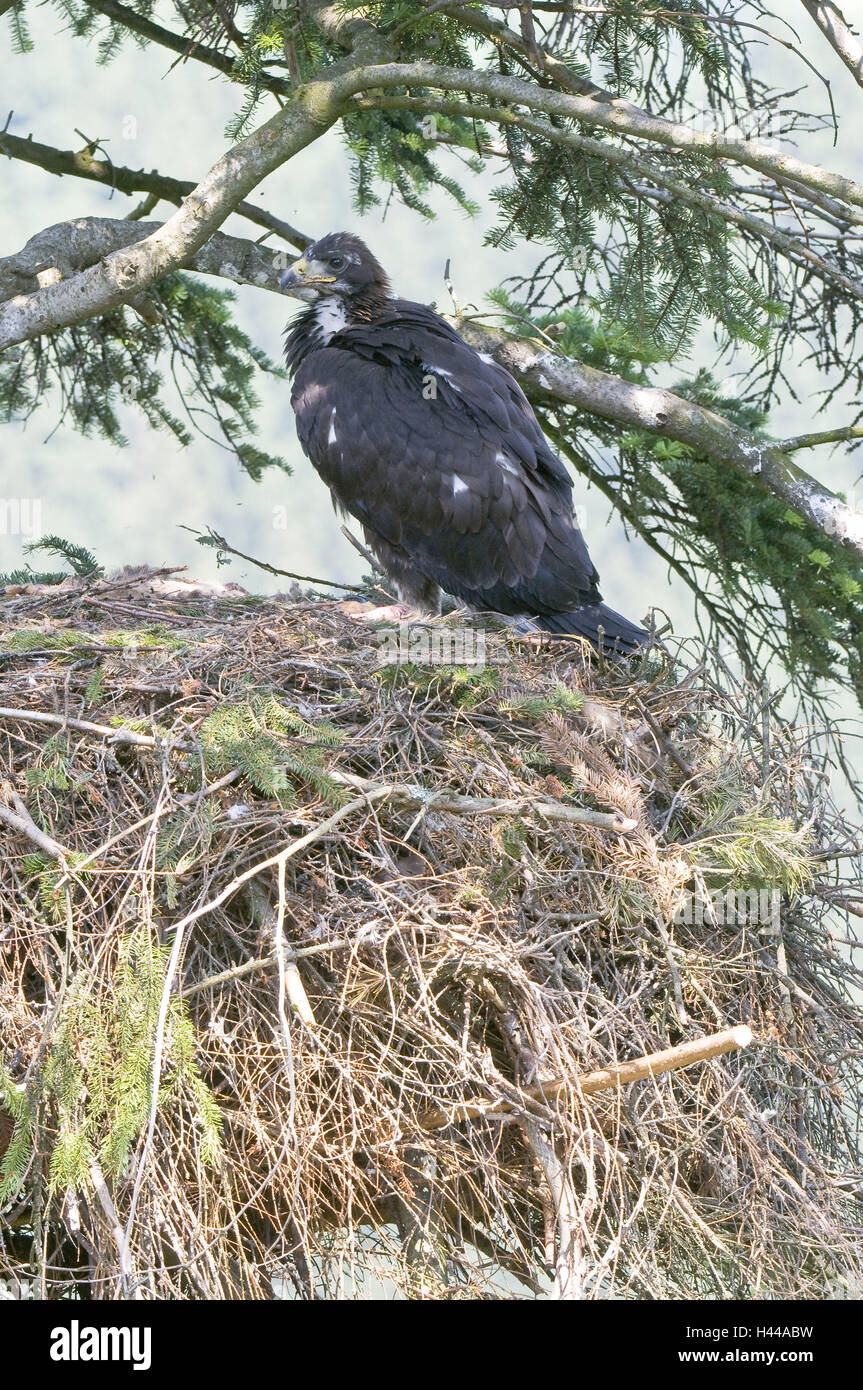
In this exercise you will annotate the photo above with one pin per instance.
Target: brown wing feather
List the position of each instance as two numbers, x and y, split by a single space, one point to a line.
438 451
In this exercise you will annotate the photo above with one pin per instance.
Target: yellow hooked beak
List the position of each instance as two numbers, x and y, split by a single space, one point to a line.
304 275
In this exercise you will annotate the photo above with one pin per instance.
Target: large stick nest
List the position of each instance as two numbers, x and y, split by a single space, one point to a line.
314 1008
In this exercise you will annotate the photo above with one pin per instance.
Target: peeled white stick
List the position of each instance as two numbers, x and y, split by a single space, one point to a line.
296 992
621 1074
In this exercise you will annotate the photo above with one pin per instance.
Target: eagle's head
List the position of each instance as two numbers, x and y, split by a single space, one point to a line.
338 266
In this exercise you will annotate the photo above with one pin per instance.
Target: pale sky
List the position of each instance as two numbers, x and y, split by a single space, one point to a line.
127 505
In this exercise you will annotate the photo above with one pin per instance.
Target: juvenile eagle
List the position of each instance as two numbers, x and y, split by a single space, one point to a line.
436 451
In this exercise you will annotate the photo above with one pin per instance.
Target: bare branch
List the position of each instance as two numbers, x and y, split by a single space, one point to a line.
83 164
115 734
570 1265
621 1074
418 799
21 821
811 441
838 32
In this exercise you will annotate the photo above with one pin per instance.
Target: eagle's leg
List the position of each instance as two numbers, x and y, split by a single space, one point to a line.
418 597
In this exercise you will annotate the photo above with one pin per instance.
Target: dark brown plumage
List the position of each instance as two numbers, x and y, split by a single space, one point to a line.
436 451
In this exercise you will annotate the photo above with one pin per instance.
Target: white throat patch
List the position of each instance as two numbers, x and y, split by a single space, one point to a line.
331 318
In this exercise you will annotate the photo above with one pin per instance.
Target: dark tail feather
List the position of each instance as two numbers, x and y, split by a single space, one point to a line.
618 634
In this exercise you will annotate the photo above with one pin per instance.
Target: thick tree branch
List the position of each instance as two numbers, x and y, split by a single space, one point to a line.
838 32
124 274
67 248
351 31
83 164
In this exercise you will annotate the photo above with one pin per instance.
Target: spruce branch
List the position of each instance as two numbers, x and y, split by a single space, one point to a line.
618 117
317 106
796 247
186 47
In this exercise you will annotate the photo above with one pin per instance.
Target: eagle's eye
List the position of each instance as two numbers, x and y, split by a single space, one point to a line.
337 262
